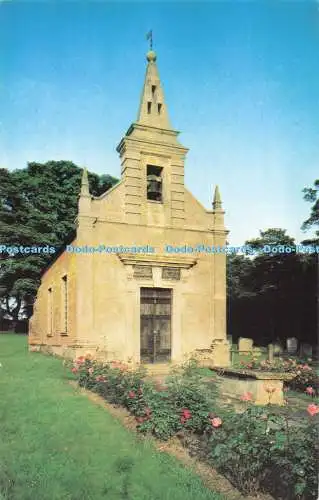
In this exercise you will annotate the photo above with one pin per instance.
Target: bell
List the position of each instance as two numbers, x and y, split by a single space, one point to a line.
154 187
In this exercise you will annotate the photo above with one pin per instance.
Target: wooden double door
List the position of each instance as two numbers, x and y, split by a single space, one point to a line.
156 314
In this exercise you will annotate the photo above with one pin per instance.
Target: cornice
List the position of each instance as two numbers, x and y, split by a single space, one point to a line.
157 260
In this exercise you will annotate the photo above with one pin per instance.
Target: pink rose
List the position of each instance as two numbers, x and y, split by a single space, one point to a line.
216 422
313 409
310 390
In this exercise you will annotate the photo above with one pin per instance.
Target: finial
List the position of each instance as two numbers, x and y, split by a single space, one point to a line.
151 55
217 202
85 183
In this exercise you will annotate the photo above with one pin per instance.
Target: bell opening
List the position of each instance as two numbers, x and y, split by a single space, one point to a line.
154 183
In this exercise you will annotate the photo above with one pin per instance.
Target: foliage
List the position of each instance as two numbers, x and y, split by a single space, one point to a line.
282 365
304 379
253 447
298 461
187 391
38 206
312 195
240 448
159 417
264 292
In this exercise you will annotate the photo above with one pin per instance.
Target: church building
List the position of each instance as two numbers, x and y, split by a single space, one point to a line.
137 284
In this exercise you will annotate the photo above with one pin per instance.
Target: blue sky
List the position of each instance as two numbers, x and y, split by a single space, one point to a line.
241 80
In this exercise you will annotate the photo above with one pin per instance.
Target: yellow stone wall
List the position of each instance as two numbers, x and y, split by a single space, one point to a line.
47 325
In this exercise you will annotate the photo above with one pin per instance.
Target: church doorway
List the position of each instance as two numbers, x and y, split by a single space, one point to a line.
156 312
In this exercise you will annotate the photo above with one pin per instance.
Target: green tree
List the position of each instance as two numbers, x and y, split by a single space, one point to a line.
312 262
38 206
271 295
312 195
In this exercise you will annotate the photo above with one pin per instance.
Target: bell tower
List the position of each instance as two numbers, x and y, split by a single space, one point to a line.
152 160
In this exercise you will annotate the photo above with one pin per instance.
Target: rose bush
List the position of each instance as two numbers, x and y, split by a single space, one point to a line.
259 450
305 377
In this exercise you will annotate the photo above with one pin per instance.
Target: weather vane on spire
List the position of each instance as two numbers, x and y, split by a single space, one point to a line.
149 37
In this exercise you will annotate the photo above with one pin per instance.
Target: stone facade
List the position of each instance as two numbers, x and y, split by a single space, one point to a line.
93 301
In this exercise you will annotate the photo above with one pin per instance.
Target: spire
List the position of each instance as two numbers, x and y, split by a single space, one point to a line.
85 190
153 111
217 203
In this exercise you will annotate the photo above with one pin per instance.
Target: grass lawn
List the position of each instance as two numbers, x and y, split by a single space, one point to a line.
55 444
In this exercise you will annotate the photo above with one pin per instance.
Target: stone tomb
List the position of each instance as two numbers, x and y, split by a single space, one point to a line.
265 387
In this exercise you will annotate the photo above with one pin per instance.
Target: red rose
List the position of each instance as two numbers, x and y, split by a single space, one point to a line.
186 413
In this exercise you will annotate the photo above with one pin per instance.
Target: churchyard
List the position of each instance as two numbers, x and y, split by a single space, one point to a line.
59 421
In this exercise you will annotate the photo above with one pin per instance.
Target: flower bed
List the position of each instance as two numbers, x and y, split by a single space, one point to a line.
162 410
248 447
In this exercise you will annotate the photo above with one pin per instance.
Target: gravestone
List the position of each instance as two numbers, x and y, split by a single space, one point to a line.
245 345
292 345
270 353
305 350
